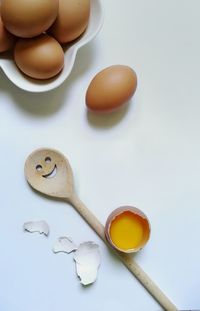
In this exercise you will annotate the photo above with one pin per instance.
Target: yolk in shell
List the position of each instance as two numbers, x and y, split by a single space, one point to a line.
128 230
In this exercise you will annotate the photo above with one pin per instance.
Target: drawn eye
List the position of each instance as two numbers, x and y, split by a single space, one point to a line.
38 167
47 159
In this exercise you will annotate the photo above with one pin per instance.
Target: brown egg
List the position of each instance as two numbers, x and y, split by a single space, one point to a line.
111 88
41 57
27 19
7 40
72 20
127 229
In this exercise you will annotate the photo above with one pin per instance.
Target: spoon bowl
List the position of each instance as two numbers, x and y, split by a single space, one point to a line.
49 172
26 83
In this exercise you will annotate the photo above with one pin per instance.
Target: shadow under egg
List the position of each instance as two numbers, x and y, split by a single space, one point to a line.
108 119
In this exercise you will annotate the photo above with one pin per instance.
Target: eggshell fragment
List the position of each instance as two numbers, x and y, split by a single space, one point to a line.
7 40
37 226
87 258
143 222
64 244
27 19
72 20
111 88
41 57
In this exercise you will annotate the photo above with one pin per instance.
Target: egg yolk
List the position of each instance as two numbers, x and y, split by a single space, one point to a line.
127 231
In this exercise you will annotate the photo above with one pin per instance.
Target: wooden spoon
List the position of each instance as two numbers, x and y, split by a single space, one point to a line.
49 172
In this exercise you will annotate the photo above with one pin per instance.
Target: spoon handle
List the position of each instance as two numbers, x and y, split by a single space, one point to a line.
128 260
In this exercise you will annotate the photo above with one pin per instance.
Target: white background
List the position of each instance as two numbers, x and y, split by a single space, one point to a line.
147 155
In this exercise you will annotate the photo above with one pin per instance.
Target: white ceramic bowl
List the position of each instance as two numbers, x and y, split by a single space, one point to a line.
32 85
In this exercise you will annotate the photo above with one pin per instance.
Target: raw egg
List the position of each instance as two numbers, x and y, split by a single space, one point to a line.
72 20
30 18
111 88
41 57
7 40
127 229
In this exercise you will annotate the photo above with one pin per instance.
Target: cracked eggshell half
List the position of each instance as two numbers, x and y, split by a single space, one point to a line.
127 229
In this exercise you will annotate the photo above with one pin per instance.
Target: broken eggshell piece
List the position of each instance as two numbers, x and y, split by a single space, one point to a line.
37 226
127 229
87 258
64 244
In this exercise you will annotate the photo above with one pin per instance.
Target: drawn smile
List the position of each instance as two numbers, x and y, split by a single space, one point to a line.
51 174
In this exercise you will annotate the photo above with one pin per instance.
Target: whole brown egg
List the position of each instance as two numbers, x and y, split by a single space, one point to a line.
30 18
40 57
72 20
7 40
111 88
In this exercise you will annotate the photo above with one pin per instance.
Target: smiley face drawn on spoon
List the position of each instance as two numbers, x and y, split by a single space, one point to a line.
49 172
46 168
